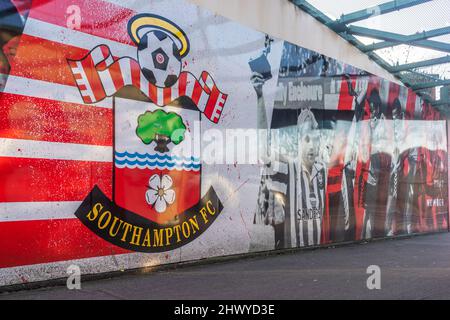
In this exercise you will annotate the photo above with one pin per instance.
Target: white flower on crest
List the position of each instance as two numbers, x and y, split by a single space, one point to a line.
160 193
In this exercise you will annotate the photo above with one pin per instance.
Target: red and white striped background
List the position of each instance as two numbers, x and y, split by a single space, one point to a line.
54 149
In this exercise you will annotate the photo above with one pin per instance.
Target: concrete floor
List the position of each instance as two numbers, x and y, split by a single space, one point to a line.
414 268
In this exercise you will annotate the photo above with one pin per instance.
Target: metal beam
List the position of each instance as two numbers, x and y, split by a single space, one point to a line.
412 38
378 10
423 75
390 37
376 34
427 85
439 103
396 39
323 18
420 64
429 44
393 39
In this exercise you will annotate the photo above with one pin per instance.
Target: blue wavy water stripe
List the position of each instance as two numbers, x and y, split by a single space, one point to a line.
155 156
178 163
156 163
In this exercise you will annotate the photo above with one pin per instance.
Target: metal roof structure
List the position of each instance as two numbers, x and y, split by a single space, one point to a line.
408 38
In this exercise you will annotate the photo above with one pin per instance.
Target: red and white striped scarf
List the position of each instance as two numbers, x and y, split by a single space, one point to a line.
98 75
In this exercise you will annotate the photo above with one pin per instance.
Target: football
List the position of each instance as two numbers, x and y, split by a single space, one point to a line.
159 59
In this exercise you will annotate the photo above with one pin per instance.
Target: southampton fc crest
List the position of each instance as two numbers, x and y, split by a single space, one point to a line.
157 202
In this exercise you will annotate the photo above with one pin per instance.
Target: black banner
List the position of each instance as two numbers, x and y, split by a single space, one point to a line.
130 231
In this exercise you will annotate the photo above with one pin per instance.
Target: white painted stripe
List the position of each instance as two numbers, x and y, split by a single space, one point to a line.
28 211
209 82
160 96
130 4
163 7
204 97
189 88
107 82
48 90
175 92
109 60
144 84
75 38
97 56
125 69
19 148
83 81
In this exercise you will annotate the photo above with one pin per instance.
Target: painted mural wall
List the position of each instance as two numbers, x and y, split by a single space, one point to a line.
158 132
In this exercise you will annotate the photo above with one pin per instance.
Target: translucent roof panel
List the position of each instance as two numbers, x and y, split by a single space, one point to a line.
419 18
429 15
426 16
402 54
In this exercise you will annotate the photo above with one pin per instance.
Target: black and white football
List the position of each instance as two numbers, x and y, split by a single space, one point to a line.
159 59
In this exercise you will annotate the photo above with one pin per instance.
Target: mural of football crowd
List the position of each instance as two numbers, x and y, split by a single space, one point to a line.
350 156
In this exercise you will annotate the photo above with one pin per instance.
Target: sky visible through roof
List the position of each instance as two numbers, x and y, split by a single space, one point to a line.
424 17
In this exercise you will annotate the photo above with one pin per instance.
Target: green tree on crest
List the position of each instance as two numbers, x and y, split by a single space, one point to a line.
161 127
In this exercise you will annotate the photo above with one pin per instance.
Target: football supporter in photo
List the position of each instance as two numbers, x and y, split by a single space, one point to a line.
412 182
375 193
311 179
353 159
414 195
339 220
375 184
394 217
292 191
433 202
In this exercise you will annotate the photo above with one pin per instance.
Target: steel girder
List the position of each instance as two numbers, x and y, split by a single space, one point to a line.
393 39
420 64
384 8
427 85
